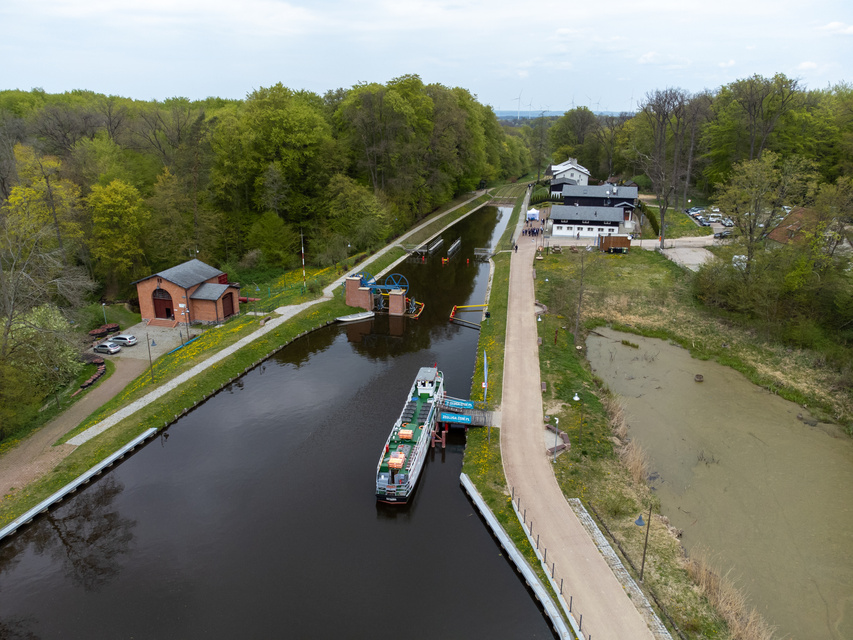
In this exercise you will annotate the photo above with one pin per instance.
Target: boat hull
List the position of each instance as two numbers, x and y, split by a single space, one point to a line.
356 317
404 453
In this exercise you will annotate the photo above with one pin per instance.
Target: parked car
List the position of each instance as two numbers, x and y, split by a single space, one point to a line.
124 339
107 347
727 222
725 233
702 221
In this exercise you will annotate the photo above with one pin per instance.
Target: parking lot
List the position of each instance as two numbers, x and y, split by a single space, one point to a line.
164 340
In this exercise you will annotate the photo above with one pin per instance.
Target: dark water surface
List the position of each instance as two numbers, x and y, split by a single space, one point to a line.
257 518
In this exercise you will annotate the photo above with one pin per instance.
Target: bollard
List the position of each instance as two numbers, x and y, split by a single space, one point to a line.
537 538
552 571
580 624
561 586
570 603
545 559
524 516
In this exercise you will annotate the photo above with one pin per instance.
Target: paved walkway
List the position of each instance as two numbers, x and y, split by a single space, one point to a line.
595 591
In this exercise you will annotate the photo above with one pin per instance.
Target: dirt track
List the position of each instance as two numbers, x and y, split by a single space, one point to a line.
35 456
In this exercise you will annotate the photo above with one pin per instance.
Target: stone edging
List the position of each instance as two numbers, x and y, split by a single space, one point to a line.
518 560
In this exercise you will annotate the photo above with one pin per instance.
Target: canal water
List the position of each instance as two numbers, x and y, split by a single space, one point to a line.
256 517
756 489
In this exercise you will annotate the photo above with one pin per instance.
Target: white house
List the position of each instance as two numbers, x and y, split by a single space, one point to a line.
585 222
569 169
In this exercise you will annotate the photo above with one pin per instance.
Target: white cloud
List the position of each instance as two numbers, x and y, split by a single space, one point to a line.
838 27
727 64
805 66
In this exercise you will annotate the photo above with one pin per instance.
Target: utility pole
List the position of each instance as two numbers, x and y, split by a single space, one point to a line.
580 300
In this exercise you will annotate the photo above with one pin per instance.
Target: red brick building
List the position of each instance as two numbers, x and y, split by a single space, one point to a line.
188 293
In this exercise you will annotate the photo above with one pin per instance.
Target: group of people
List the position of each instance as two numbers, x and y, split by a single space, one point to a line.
531 231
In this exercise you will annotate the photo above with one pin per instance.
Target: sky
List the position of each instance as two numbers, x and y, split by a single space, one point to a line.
547 55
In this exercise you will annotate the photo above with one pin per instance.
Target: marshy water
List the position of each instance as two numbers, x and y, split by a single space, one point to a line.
758 490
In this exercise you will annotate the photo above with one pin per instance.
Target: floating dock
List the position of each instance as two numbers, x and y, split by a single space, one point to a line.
457 309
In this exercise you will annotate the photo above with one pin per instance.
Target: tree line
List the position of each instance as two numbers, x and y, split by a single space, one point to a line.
755 148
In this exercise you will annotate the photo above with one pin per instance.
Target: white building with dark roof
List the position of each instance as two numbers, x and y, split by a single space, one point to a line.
569 169
586 222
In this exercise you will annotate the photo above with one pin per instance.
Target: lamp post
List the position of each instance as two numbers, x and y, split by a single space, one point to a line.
150 361
104 309
556 436
639 522
580 428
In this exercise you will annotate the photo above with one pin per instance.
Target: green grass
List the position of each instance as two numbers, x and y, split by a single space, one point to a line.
66 398
92 316
680 225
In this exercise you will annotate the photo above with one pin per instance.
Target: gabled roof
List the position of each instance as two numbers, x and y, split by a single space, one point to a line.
187 274
600 191
209 291
565 213
789 230
571 163
556 182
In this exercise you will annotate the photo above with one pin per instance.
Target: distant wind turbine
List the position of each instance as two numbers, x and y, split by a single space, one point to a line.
518 105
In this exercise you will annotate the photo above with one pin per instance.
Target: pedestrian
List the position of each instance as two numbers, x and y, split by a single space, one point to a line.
516 248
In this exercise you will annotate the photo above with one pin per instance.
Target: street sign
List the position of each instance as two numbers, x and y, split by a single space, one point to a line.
458 404
454 417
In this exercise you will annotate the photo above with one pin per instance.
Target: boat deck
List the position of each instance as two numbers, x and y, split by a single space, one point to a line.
408 430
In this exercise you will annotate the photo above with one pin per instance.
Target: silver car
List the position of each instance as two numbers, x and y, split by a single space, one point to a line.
124 339
107 347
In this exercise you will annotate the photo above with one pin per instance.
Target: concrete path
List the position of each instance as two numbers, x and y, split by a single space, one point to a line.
688 252
595 591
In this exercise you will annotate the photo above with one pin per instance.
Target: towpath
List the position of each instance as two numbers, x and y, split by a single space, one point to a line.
596 593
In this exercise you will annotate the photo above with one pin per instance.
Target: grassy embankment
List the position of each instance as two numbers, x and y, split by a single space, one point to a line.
678 225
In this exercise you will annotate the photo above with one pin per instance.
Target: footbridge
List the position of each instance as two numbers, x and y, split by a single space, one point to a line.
457 412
